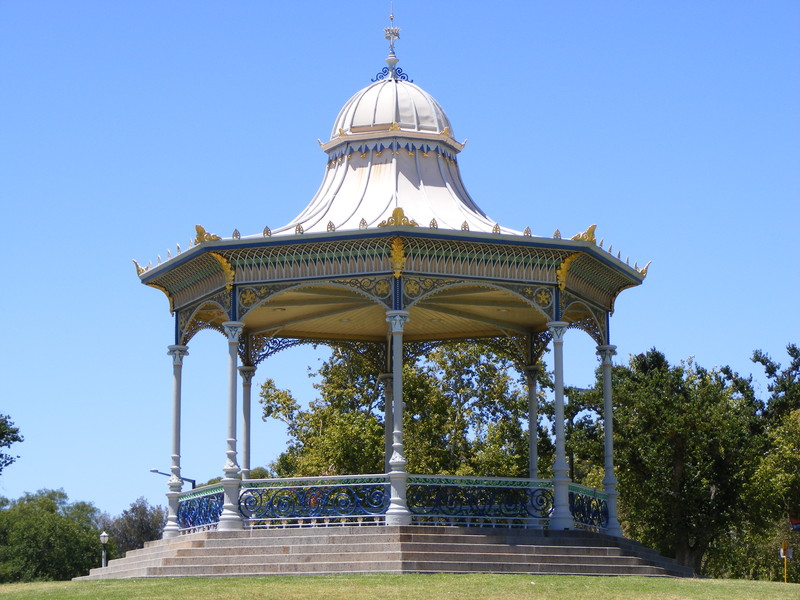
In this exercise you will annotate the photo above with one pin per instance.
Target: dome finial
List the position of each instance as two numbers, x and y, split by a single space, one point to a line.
392 71
392 33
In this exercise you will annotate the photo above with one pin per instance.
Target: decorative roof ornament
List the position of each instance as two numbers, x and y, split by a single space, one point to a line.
392 71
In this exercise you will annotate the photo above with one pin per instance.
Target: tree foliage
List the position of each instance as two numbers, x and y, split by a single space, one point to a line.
465 413
685 451
136 525
9 434
45 537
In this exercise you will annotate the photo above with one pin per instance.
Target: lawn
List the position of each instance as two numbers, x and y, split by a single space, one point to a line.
405 587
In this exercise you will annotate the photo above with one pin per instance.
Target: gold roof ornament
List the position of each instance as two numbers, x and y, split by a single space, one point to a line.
362 224
227 269
643 270
465 226
398 218
561 274
204 236
398 256
556 235
298 229
586 236
496 228
267 232
236 235
139 269
527 232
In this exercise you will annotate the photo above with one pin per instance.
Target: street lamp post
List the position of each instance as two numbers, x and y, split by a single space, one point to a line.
104 541
192 481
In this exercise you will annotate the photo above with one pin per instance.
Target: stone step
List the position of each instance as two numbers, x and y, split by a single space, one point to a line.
389 549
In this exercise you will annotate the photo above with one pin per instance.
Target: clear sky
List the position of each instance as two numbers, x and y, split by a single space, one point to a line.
672 125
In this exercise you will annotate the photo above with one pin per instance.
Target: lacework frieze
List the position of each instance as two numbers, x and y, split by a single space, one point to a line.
207 313
342 258
483 260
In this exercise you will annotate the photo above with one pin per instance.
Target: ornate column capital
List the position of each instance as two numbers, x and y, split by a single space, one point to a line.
233 330
532 371
177 353
247 374
606 352
557 330
397 319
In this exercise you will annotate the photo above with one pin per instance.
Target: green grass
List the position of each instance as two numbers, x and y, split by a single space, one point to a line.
405 587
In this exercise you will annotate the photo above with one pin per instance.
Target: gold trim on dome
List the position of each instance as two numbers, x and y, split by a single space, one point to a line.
394 126
204 236
561 274
398 256
398 218
586 236
227 269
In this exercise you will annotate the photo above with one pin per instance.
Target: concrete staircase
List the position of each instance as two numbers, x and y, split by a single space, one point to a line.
389 549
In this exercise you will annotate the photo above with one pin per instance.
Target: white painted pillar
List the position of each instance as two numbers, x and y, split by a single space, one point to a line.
561 517
388 420
610 479
531 372
247 380
397 513
230 519
175 483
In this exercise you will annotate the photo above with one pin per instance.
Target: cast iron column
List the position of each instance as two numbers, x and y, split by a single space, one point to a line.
561 517
397 513
172 529
610 479
230 519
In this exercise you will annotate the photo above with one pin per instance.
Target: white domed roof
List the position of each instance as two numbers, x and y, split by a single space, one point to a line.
391 105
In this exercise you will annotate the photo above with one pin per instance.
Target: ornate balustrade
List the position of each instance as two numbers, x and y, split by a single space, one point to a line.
364 499
589 507
199 509
315 501
479 501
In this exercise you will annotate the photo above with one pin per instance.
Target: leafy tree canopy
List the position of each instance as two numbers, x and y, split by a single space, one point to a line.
9 434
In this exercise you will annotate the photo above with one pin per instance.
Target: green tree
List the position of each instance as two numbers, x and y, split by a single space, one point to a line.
784 385
44 537
685 449
9 434
465 413
136 525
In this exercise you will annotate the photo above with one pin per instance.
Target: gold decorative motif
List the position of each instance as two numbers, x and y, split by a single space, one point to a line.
382 288
398 218
543 298
643 270
527 232
398 256
362 224
267 232
412 288
248 298
139 270
236 235
341 132
331 226
433 224
204 236
556 235
227 269
446 131
465 226
561 274
394 126
496 228
586 236
298 229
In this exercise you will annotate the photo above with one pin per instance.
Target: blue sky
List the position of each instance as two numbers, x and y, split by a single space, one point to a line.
674 126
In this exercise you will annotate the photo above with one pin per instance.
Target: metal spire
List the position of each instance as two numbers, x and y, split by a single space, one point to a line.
392 33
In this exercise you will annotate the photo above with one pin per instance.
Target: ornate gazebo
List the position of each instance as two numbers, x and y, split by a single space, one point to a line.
391 249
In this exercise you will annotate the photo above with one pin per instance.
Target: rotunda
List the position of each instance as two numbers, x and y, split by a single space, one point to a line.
391 249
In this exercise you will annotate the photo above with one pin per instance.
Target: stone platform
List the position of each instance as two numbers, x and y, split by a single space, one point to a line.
389 549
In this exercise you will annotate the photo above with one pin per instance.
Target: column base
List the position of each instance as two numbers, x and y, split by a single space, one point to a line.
230 519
